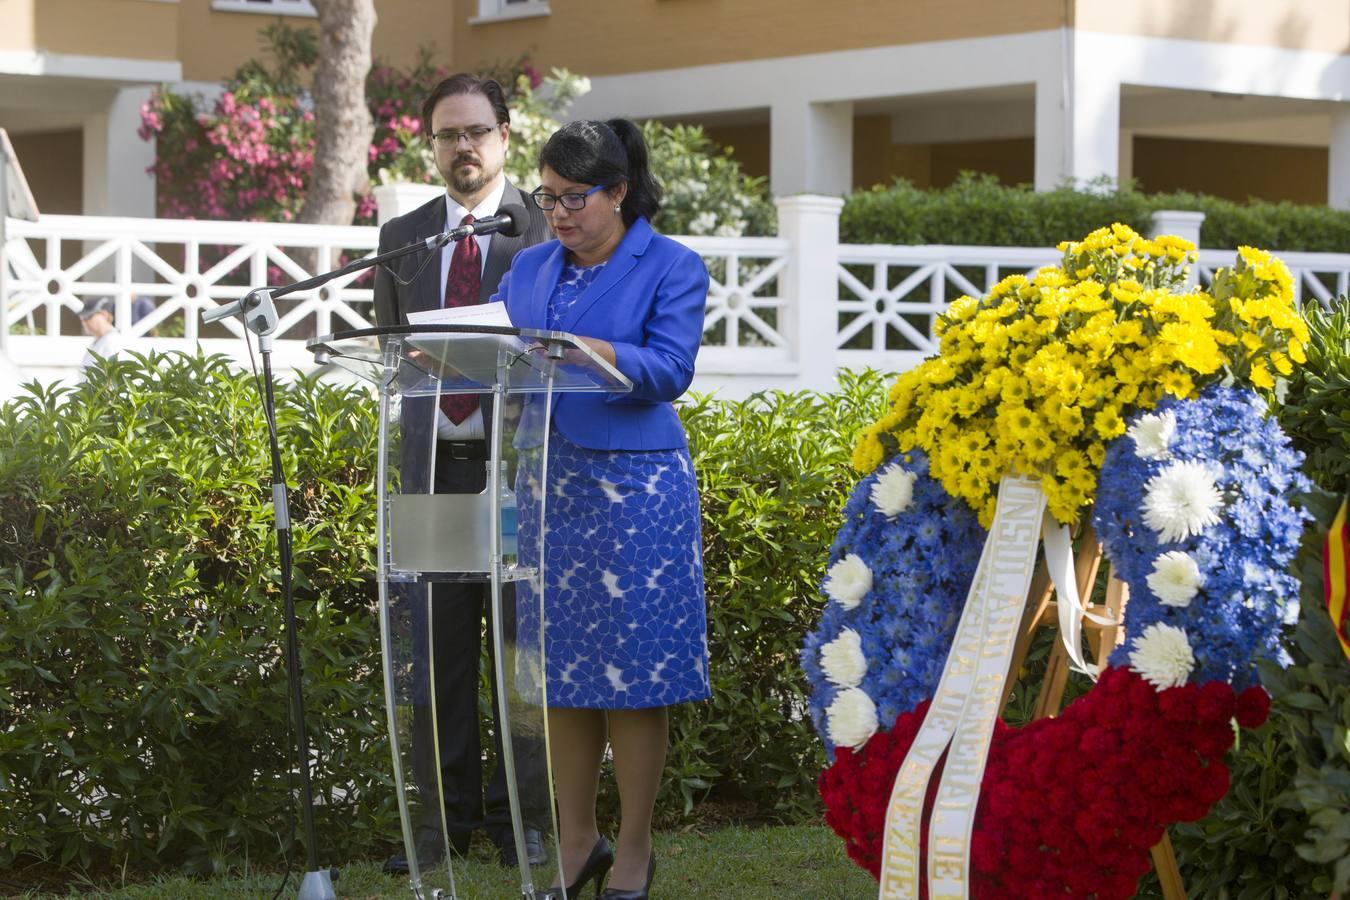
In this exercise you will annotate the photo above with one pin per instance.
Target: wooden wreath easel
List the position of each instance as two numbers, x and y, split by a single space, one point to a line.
1102 639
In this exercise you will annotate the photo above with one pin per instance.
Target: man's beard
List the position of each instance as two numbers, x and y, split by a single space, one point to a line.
465 182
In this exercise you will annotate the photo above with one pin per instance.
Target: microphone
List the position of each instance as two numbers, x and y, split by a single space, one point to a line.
509 221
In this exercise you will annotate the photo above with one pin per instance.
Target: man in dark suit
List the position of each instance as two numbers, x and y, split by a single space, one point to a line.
469 124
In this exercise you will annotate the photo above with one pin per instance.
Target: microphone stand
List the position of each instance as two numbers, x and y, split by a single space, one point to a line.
259 314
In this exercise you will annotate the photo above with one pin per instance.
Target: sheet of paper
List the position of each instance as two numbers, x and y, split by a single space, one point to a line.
479 314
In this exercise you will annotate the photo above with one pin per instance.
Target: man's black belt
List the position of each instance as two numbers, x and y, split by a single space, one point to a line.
465 450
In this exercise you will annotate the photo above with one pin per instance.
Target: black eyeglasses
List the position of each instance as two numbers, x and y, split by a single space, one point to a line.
572 201
475 136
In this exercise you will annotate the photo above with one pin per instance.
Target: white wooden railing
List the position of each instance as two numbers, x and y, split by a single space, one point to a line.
787 311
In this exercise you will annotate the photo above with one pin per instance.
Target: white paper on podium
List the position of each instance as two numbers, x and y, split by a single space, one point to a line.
493 314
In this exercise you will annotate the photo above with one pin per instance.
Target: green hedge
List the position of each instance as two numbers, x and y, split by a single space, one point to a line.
977 210
142 706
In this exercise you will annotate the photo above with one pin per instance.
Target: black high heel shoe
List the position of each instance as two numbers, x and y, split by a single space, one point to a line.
596 868
641 894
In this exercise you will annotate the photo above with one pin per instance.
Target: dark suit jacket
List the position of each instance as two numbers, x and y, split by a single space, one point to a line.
393 302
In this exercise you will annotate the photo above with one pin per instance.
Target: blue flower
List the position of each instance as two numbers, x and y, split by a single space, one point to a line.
922 564
1244 558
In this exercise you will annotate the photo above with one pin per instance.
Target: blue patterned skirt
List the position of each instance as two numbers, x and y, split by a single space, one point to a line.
624 620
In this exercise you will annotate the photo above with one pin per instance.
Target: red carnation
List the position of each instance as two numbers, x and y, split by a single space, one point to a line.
1097 743
1213 784
1177 704
1213 740
1253 706
1215 703
986 851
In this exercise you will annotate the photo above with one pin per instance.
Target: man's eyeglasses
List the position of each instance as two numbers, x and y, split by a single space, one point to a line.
572 201
475 136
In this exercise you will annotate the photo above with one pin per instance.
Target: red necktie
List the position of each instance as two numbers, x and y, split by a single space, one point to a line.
462 284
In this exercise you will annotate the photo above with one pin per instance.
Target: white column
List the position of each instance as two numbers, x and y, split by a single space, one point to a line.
1054 123
1184 224
811 148
1338 158
401 197
810 285
116 182
1077 119
1096 123
1126 156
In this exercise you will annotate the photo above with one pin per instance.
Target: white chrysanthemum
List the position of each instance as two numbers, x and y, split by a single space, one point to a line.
1162 656
1152 435
849 580
842 659
852 718
1182 500
893 491
1175 578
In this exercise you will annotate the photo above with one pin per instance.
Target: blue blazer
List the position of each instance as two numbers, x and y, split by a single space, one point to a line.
648 302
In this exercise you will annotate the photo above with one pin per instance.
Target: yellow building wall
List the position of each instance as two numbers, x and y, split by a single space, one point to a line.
131 29
1232 170
1294 24
608 37
52 163
16 17
215 42
604 37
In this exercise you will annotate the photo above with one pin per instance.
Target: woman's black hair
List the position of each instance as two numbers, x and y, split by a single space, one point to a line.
607 153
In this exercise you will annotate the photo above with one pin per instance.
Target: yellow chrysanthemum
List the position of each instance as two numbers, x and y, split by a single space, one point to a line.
1038 376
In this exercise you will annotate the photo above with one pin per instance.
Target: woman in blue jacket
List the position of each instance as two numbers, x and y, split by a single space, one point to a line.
626 633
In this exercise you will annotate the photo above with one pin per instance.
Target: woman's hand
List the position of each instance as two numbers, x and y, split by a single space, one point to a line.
602 349
575 357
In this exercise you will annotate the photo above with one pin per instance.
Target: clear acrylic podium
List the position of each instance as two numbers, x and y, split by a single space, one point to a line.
494 537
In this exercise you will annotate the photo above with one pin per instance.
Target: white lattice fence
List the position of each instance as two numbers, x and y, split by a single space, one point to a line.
745 325
170 271
890 296
781 312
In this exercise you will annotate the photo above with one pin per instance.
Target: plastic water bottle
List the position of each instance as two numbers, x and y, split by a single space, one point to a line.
509 544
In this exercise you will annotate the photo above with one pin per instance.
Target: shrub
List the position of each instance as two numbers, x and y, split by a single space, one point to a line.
143 703
705 191
143 707
977 210
1312 711
1316 407
1263 223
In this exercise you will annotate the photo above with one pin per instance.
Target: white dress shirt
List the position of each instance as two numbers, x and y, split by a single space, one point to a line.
471 429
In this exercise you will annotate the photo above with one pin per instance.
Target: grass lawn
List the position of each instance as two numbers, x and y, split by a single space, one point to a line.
800 861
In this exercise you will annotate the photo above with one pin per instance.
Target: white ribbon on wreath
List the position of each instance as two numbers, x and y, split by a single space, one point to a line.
960 719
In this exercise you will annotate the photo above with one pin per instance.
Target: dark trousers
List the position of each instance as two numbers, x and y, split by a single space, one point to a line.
458 610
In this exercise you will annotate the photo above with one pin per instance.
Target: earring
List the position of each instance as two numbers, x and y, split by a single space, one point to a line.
617 207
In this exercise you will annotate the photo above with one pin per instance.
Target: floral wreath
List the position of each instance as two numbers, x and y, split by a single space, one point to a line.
1111 383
